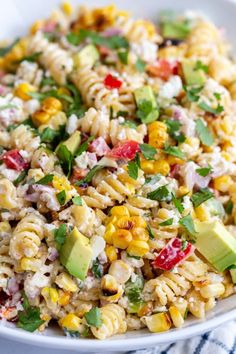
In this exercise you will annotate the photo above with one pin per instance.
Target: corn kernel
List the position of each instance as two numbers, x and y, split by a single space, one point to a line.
138 221
51 105
183 190
119 211
23 89
71 322
51 292
172 160
30 264
111 220
37 25
223 183
111 253
121 238
65 282
202 213
138 248
145 309
140 233
157 134
5 227
161 166
67 8
121 271
159 322
176 316
64 298
40 117
124 222
110 230
147 167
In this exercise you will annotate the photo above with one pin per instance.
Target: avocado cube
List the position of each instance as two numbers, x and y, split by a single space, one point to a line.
86 56
192 75
174 30
145 94
76 254
216 244
72 143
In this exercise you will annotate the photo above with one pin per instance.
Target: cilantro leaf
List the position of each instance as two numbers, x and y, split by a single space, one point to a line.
229 207
129 123
177 203
200 197
61 197
97 269
204 171
192 93
204 133
134 289
160 194
188 224
147 112
133 167
217 96
148 151
150 232
84 146
153 179
77 200
5 50
29 319
173 127
51 93
174 151
123 56
205 107
167 222
93 317
201 66
65 158
45 180
90 175
48 135
20 178
60 235
140 65
31 58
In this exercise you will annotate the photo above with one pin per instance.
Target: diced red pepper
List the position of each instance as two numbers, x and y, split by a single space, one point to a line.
174 170
172 254
99 146
126 150
164 69
14 160
111 82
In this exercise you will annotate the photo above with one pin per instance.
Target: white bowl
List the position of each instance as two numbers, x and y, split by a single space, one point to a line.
15 18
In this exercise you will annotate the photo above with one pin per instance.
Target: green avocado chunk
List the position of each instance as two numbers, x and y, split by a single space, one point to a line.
216 244
76 254
72 143
144 95
215 207
86 56
174 30
192 75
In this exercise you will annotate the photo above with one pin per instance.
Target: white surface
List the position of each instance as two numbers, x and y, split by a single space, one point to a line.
15 17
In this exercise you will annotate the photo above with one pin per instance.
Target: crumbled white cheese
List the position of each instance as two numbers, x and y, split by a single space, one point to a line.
8 172
171 88
72 124
31 106
86 159
146 50
97 244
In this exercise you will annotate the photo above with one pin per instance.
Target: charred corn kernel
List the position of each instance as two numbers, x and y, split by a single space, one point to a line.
157 134
124 222
18 51
83 308
71 322
121 238
30 264
51 105
183 190
23 89
172 160
61 183
67 8
64 298
137 248
40 117
119 211
176 316
110 230
147 166
111 290
145 309
36 26
161 166
202 213
159 322
121 271
222 183
65 282
111 220
140 233
138 221
111 253
5 228
51 292
212 290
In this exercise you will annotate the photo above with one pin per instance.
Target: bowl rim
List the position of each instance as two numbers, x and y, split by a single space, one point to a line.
119 342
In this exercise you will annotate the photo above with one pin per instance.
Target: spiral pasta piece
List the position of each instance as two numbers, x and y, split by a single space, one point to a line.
138 205
52 57
8 196
22 138
27 236
113 322
6 262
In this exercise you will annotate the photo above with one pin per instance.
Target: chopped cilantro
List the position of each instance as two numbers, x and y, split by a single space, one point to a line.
153 179
229 207
20 178
192 93
61 197
147 112
174 151
217 96
200 66
45 180
160 194
140 65
188 224
150 232
129 123
204 171
60 235
177 203
97 269
148 151
7 106
204 133
90 175
173 127
200 197
32 58
29 319
123 56
84 146
51 93
133 167
5 50
65 158
167 222
205 107
93 317
134 289
77 200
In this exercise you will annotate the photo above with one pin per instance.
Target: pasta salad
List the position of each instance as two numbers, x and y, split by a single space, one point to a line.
117 172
